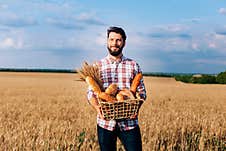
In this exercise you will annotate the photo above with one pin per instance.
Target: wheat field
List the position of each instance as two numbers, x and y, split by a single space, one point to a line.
49 111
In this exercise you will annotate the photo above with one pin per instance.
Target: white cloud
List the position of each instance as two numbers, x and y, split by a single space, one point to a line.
101 39
212 45
3 6
215 42
90 18
11 43
162 37
220 36
7 42
175 28
194 46
179 38
222 11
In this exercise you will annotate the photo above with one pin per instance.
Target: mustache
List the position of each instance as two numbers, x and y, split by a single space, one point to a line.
117 46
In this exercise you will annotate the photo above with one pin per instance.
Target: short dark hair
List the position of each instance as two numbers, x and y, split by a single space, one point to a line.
117 30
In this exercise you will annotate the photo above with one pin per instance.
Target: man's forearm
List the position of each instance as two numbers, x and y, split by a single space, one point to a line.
94 102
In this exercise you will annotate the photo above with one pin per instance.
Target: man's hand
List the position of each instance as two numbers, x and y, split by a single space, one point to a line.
99 111
95 104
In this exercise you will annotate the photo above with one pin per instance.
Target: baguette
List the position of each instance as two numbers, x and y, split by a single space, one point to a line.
135 82
106 97
93 84
112 89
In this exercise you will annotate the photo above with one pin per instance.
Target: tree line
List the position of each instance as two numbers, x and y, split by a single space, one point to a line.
203 78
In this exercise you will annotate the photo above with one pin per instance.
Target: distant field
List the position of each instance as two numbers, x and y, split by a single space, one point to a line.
49 111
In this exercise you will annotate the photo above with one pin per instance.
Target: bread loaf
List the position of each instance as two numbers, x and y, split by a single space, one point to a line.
135 82
127 94
112 89
106 97
120 97
93 84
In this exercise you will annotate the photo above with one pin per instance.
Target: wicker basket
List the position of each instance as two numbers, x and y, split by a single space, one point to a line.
120 110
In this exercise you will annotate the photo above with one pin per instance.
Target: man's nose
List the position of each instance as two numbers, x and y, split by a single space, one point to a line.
114 42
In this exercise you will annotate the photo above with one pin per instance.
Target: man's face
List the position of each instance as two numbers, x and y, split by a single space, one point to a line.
115 44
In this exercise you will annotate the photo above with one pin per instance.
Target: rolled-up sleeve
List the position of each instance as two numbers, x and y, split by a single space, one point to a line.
90 94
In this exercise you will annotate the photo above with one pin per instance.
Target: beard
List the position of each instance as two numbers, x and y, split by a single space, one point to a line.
115 53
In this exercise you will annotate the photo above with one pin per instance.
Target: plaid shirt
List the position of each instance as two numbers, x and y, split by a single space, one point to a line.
121 72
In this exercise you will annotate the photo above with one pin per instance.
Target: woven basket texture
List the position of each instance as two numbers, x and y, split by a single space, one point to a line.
120 110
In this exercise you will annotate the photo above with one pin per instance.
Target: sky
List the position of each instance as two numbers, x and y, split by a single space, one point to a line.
182 36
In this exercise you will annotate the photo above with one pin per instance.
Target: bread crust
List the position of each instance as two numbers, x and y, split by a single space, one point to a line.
127 94
112 89
106 97
93 84
120 97
135 82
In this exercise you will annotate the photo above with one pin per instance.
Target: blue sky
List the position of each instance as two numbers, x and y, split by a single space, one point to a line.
163 36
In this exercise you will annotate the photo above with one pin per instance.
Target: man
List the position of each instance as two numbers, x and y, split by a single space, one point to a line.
116 68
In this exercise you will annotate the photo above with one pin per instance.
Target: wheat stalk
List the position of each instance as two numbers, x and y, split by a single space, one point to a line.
92 71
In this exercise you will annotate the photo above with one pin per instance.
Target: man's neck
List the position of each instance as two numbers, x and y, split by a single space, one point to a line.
115 57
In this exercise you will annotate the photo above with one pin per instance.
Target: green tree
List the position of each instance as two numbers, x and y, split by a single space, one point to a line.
183 78
204 79
221 78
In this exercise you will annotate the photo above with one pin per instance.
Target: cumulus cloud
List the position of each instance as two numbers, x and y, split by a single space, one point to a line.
170 31
101 39
212 45
217 44
167 38
195 46
183 39
68 14
10 43
222 11
75 22
3 6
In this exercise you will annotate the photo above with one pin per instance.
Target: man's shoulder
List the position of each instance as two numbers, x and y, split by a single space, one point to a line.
130 60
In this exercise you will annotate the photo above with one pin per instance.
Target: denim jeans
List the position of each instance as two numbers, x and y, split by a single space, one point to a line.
130 139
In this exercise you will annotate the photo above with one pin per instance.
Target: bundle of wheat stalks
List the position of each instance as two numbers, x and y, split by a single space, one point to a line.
91 74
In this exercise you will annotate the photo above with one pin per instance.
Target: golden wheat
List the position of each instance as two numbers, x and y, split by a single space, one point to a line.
91 71
49 111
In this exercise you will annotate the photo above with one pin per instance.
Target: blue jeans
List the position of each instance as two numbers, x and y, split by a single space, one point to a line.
131 139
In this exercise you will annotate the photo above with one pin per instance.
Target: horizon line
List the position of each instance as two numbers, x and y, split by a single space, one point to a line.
74 71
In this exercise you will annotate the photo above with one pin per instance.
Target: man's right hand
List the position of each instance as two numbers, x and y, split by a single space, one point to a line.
96 105
99 111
